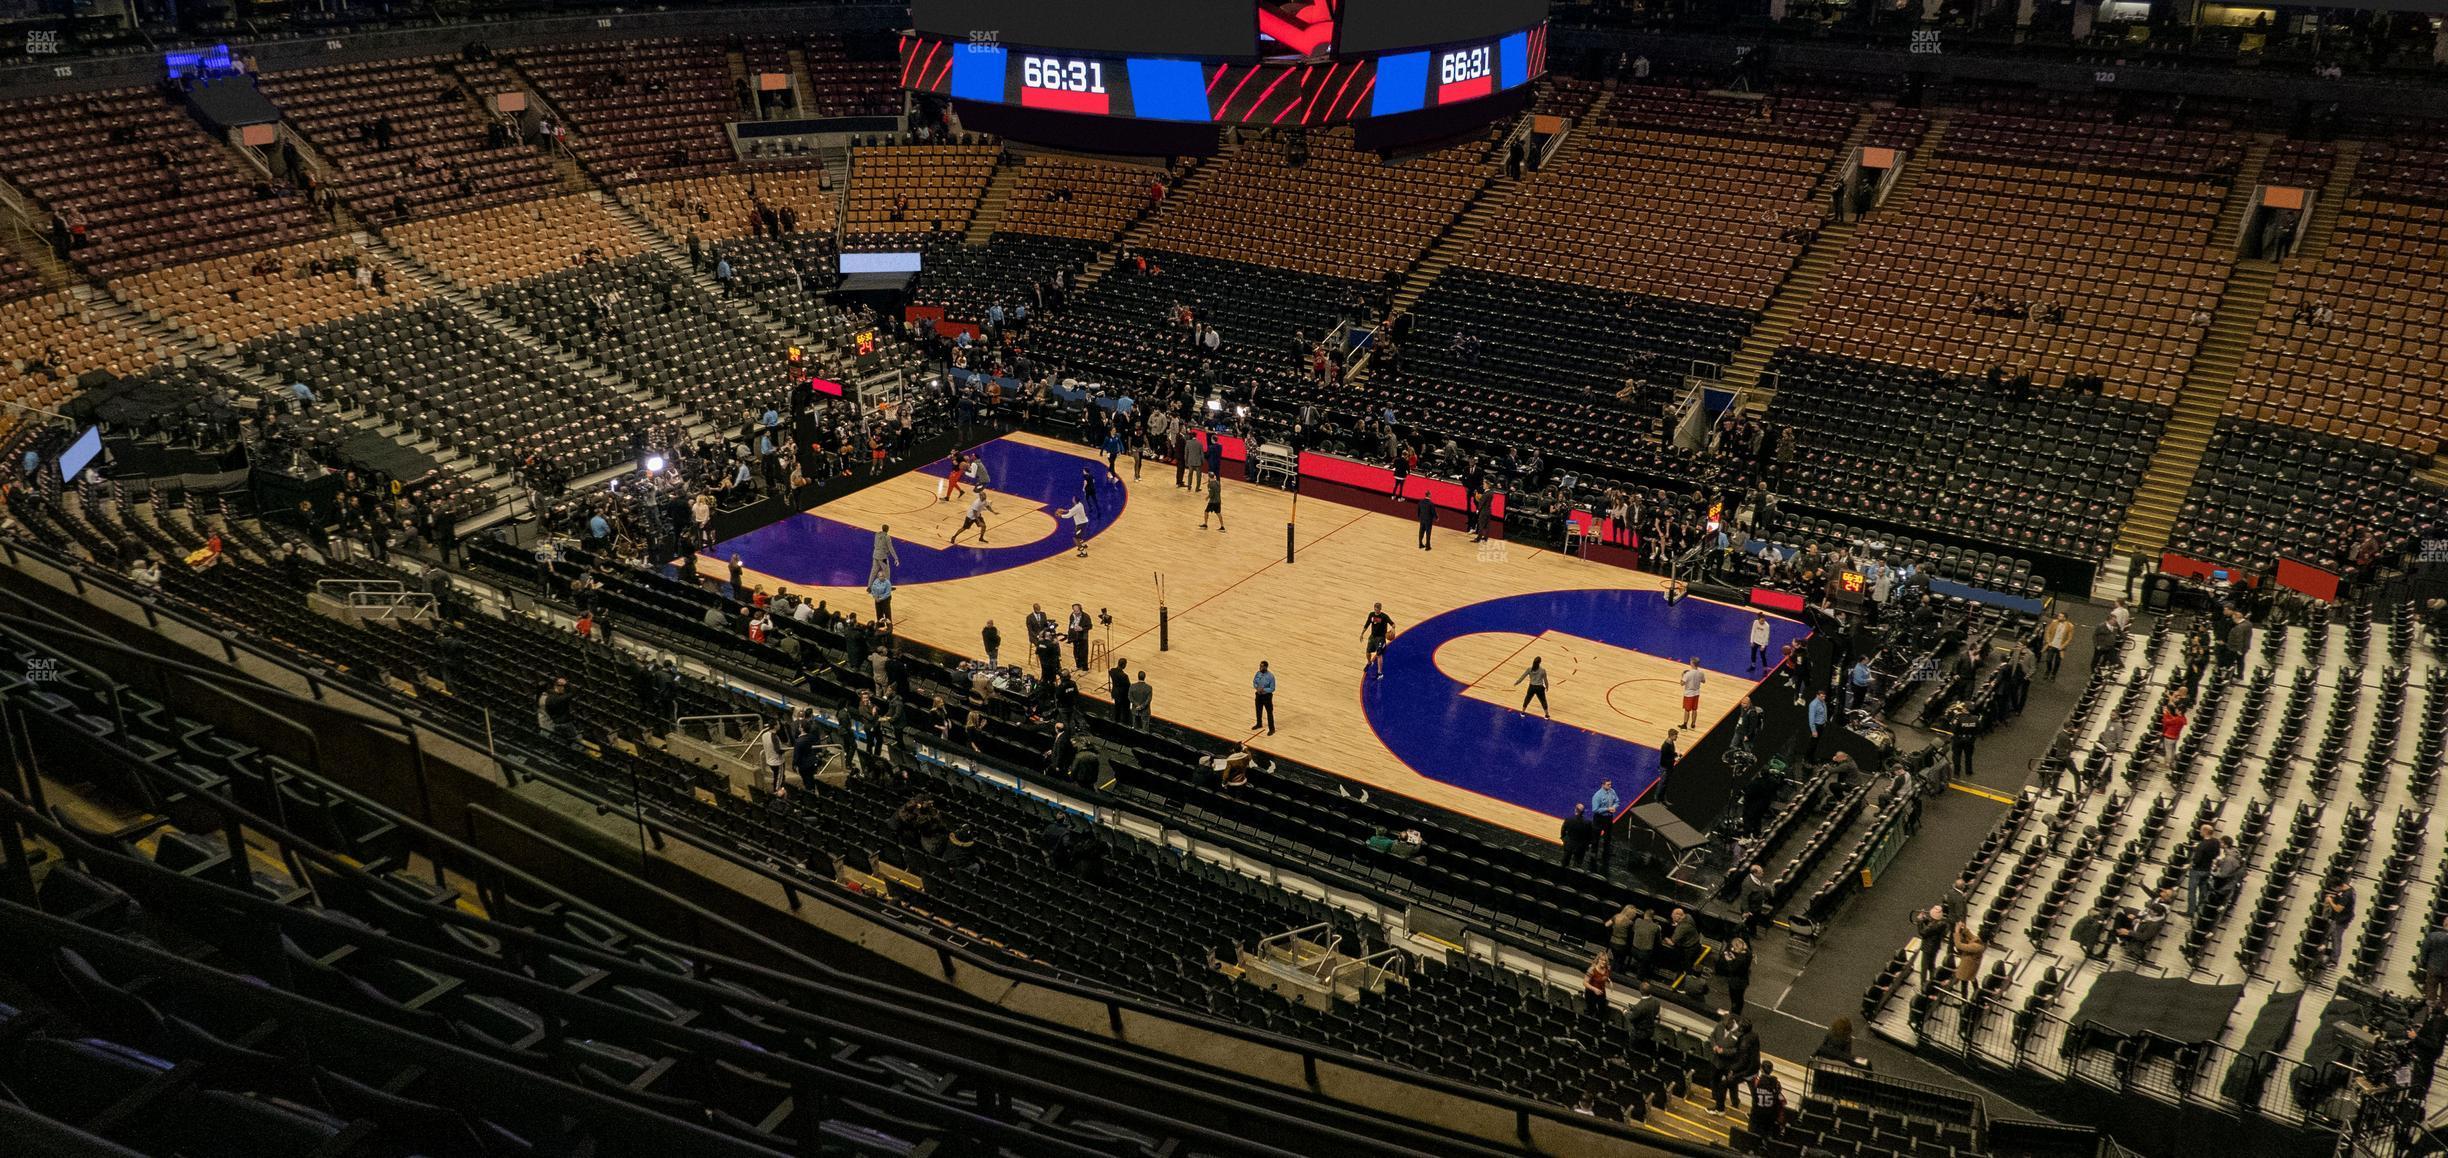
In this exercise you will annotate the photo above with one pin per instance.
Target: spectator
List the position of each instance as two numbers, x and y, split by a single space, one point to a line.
553 709
1838 1044
1641 1018
1594 984
1577 835
1767 1102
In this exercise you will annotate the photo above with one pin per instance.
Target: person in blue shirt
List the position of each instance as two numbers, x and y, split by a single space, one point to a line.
1859 679
994 315
598 529
770 419
305 393
1818 721
1264 685
1603 805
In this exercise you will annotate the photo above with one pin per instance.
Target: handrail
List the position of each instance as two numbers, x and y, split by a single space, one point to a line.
1524 1111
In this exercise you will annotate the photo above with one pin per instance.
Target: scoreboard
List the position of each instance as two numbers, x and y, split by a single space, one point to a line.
1221 91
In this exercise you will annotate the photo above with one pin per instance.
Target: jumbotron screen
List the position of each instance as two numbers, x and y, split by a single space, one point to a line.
1386 25
1152 27
1327 91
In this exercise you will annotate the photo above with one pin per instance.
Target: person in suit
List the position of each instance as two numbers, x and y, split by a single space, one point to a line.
1075 632
1142 699
1117 683
1427 520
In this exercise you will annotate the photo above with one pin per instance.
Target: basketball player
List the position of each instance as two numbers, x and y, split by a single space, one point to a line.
975 517
1759 638
1693 677
1376 632
1215 502
1537 677
952 479
1078 514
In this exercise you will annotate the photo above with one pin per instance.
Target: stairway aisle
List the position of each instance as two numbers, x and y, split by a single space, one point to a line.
2196 413
1139 230
1483 209
1800 289
2233 214
2332 200
991 203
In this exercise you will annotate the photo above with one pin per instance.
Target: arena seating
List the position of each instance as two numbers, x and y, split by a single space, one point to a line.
228 301
845 79
356 908
900 189
1116 331
1972 268
1339 213
966 279
646 322
1157 921
1057 195
438 372
2369 370
2269 489
1682 196
723 207
514 242
1553 370
1295 808
2315 760
149 186
51 339
639 109
17 281
2048 473
1971 567
440 159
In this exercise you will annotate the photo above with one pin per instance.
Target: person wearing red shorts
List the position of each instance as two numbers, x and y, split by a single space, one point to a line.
1693 677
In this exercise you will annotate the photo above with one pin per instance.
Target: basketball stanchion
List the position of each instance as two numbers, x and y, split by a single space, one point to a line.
1164 617
1289 520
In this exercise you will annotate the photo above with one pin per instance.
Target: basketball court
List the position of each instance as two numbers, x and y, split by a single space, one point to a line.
1439 726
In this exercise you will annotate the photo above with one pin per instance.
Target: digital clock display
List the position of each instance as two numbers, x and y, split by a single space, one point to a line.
1069 84
1465 74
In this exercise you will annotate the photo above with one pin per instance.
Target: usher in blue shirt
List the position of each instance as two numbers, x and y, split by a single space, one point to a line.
1603 802
1818 716
1264 681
